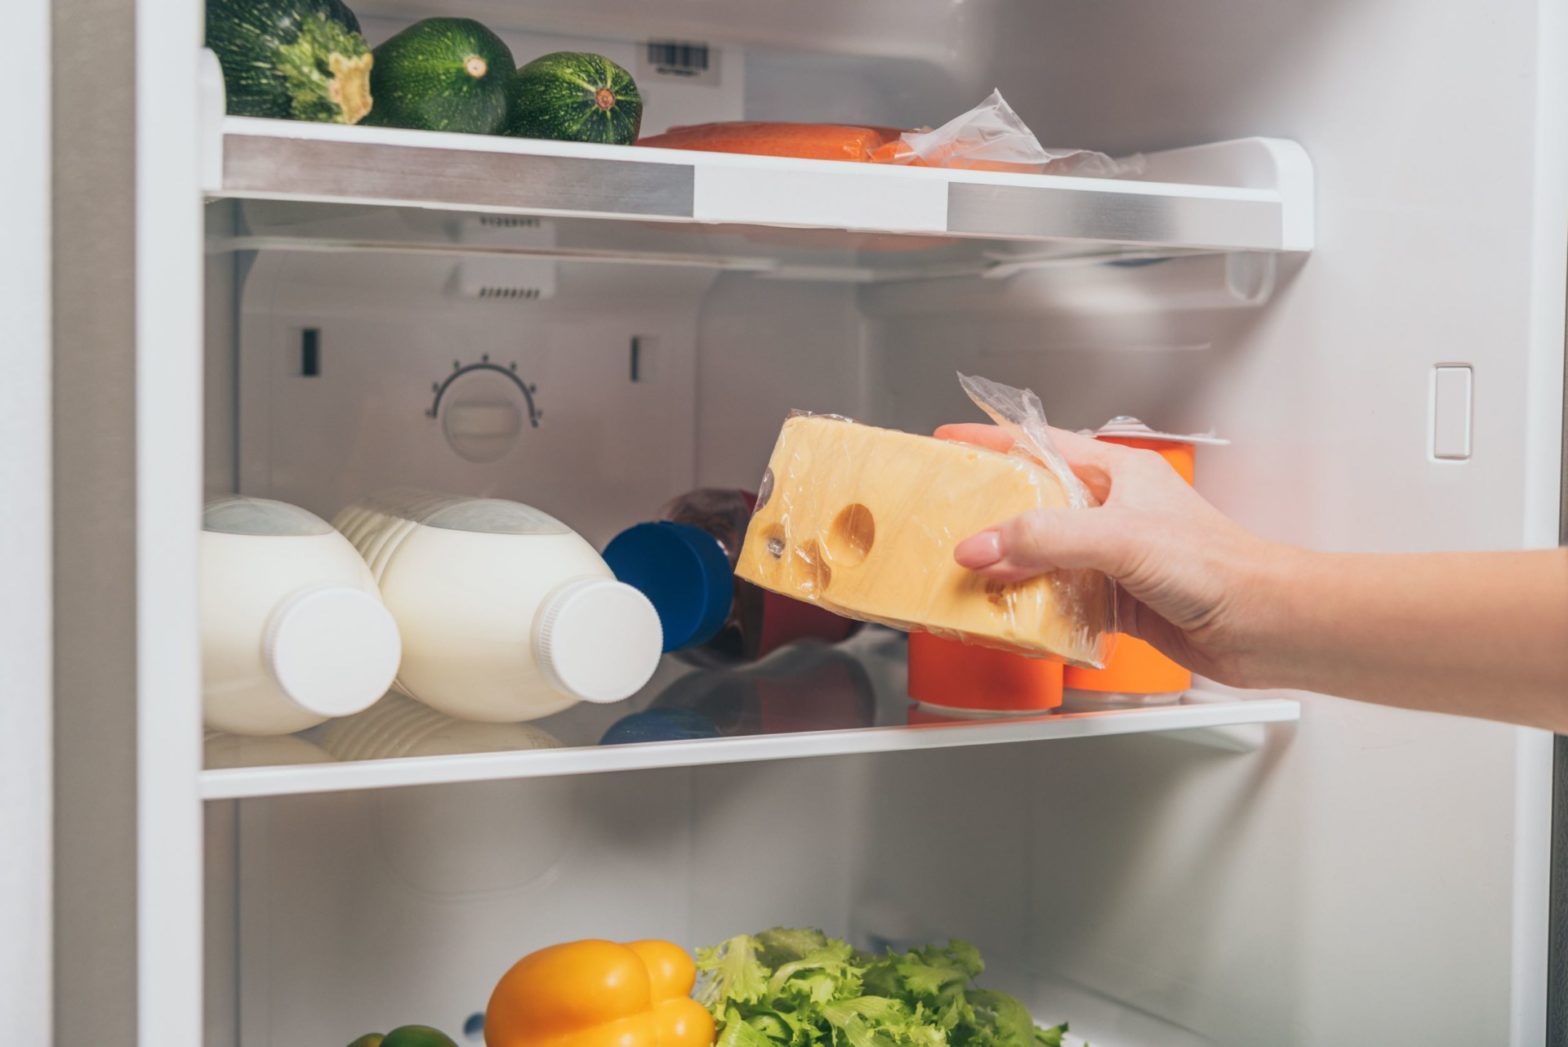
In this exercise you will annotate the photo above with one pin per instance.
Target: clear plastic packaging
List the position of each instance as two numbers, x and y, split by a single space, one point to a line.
991 137
863 521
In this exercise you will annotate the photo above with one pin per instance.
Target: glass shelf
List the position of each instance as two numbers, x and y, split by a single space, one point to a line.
808 700
1246 195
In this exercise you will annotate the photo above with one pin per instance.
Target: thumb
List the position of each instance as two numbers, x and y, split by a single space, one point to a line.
1042 540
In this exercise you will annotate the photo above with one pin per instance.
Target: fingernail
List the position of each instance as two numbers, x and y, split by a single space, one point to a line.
980 550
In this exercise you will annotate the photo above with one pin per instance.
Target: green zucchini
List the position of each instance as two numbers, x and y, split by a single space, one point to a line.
574 97
442 74
291 59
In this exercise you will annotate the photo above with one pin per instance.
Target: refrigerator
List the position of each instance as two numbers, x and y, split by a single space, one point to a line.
1343 250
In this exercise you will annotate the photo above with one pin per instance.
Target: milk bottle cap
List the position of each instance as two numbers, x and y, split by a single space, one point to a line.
569 639
306 639
293 628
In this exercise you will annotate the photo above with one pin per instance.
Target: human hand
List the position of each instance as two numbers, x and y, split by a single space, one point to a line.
1189 581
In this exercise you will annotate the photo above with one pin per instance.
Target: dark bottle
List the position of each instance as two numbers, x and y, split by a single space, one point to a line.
684 562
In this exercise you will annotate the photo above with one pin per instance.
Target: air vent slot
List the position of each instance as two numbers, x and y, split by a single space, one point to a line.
509 221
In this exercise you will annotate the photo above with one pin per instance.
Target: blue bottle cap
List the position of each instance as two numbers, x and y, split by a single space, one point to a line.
683 571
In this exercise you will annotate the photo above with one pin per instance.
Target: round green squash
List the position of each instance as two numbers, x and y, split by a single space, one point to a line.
442 74
406 1036
291 59
573 96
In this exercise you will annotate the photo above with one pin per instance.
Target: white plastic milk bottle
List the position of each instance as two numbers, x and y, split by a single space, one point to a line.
506 613
293 630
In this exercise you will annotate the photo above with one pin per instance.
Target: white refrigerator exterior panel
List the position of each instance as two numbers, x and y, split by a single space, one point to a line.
26 738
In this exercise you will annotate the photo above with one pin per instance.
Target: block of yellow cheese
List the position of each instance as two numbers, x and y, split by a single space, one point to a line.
864 521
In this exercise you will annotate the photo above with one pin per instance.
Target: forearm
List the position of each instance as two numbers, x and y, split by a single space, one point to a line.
1479 634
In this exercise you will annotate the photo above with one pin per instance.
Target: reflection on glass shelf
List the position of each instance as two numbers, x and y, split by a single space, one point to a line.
398 726
810 699
806 687
237 750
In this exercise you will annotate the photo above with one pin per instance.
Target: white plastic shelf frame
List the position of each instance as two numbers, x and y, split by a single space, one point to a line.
1229 724
1251 194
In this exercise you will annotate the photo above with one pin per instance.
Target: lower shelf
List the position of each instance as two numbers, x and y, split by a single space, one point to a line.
1213 721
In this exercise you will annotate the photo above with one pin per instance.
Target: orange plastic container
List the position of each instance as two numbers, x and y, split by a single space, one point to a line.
948 674
1136 673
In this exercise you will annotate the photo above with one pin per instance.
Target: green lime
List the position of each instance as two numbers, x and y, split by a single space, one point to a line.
370 1039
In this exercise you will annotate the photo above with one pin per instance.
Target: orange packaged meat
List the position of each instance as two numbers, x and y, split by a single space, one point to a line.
989 137
762 138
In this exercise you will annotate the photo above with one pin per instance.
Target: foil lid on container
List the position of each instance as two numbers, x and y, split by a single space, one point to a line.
1126 427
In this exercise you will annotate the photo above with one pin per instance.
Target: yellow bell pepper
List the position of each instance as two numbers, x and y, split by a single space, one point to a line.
599 994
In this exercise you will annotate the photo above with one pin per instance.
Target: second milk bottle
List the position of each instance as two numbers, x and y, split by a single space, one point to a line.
506 613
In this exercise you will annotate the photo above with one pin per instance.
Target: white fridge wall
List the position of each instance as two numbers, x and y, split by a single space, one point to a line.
608 451
720 366
366 911
940 36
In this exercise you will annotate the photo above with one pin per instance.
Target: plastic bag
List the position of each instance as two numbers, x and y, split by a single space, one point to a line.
863 521
1021 415
991 137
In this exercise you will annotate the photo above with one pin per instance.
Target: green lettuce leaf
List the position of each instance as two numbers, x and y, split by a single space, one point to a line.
782 945
736 1032
796 987
730 973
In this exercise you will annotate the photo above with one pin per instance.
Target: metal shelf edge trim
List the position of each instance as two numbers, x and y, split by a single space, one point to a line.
306 168
1047 213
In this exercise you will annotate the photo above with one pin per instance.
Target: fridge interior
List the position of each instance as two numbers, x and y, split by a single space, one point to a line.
1368 875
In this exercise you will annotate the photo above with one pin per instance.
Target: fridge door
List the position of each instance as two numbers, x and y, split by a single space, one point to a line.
25 622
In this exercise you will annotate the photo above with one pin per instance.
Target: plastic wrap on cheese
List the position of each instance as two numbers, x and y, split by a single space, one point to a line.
864 522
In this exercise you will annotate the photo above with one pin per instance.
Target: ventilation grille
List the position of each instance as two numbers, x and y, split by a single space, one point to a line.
677 57
516 293
508 221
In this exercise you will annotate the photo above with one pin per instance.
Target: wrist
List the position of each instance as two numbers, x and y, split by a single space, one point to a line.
1274 584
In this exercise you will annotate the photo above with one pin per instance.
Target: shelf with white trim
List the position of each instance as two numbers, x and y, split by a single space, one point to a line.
1247 195
1233 724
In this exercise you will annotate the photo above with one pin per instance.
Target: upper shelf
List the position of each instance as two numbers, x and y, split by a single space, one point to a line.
1247 195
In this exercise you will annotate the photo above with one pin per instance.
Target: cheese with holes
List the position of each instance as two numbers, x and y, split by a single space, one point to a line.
864 521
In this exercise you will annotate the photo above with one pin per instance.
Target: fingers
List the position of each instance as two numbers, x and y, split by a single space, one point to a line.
977 433
1044 539
1085 451
1075 447
1091 460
